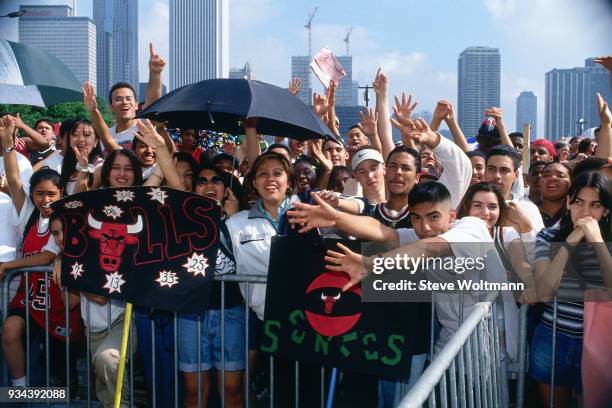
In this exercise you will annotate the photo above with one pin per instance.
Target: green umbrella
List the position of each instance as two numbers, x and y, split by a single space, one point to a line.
31 76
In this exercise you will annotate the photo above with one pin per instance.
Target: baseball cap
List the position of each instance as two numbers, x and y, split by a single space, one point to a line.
366 154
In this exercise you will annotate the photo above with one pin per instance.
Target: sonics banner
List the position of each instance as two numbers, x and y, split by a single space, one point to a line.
151 246
308 318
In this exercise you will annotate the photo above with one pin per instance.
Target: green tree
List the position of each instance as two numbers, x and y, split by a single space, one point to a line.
57 113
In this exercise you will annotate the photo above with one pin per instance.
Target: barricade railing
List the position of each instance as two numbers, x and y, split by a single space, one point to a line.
85 388
470 369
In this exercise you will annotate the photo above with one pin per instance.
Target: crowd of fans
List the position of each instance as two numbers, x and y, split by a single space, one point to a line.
423 195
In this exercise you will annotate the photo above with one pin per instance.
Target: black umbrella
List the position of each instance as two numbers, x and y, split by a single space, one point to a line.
31 76
222 104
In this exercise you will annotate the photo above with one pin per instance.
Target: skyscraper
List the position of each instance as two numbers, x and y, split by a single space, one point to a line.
345 95
116 42
479 85
199 41
527 112
102 17
71 39
242 73
125 42
300 68
570 97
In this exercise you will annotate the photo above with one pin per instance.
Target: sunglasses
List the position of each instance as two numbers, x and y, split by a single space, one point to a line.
213 180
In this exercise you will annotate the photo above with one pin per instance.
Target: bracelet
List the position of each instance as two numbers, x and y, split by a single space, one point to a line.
86 169
8 149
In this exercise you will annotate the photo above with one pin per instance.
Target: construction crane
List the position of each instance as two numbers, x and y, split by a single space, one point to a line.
308 26
347 39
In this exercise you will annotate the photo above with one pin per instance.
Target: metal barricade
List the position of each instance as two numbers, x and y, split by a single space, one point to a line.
85 389
470 369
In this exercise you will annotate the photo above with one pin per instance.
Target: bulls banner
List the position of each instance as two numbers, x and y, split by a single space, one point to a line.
151 246
309 318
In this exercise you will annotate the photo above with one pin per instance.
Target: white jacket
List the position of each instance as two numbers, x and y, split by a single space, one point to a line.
251 238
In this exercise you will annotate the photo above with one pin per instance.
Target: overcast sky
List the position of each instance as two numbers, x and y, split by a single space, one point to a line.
416 42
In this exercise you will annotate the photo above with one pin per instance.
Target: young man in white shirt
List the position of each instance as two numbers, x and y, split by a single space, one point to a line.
435 233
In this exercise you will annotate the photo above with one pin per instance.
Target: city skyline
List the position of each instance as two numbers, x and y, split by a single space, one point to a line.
398 37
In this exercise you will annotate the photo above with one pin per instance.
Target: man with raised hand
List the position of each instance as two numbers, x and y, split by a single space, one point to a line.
435 233
123 104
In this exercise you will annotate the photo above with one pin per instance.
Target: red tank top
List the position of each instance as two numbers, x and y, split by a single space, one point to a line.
33 244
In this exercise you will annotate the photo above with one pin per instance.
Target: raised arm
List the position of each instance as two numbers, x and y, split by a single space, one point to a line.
326 165
331 109
444 112
154 86
403 111
369 127
324 215
380 85
11 168
148 135
32 139
604 145
497 114
102 130
253 148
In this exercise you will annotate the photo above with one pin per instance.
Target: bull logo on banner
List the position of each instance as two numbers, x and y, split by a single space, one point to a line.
151 246
113 238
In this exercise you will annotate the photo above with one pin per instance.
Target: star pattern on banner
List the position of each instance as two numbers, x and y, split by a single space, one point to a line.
73 204
124 195
167 278
112 211
158 194
196 264
114 282
77 270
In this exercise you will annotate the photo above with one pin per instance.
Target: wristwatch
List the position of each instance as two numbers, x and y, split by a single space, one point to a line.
86 169
8 149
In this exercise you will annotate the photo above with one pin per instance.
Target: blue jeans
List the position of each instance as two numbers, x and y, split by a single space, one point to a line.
210 340
568 357
389 393
164 354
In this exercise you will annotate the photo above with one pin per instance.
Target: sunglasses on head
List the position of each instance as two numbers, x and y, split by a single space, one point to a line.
213 180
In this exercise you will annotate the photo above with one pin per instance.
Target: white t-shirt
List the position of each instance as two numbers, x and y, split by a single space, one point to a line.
469 237
19 222
98 314
54 161
25 169
124 138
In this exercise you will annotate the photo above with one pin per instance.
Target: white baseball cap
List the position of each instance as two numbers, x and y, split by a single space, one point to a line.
366 154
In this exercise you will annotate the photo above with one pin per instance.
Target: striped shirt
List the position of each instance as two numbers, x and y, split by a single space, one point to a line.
583 263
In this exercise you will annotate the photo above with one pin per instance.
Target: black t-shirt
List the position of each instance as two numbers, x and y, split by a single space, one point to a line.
392 219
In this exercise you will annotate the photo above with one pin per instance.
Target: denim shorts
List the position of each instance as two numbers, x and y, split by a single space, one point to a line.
210 340
568 356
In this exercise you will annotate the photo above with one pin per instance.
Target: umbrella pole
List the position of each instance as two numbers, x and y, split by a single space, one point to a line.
124 344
